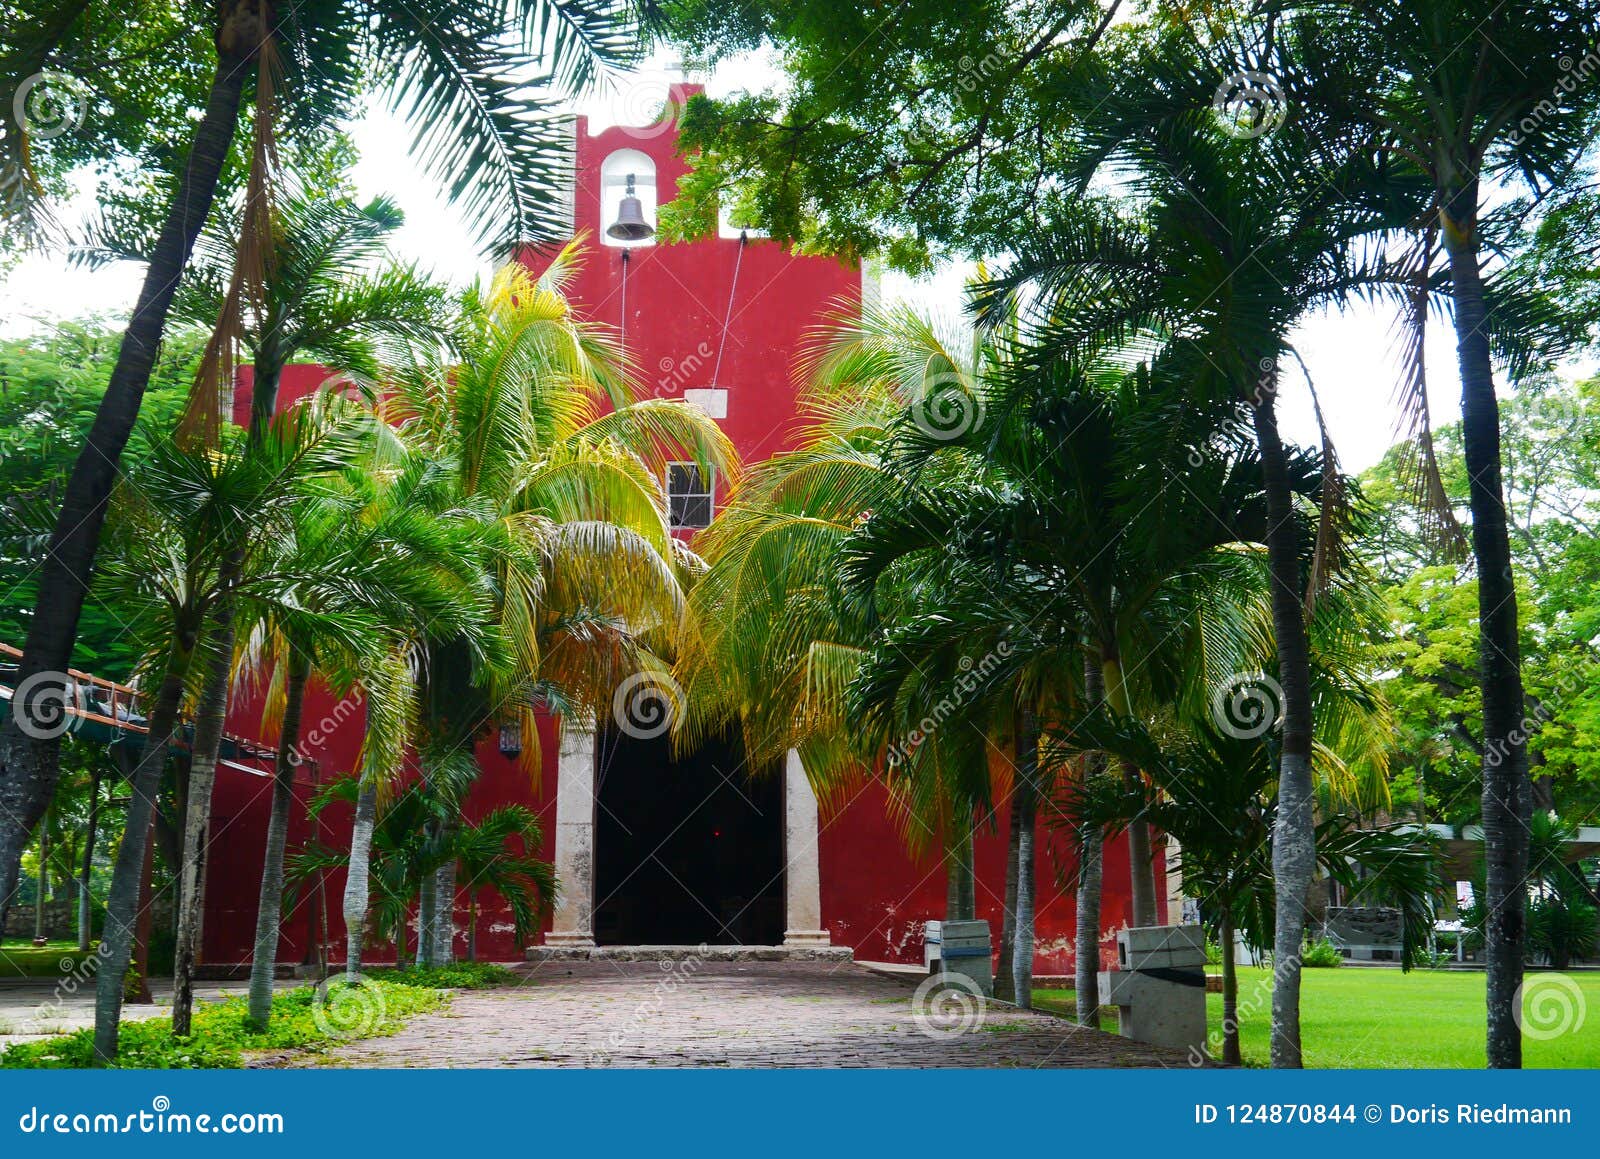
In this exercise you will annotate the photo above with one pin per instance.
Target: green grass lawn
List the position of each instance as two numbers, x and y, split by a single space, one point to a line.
19 959
1361 1017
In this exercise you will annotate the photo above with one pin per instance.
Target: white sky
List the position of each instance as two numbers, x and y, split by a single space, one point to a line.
1351 356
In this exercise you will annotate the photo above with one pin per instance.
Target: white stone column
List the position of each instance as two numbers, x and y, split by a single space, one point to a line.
802 877
573 922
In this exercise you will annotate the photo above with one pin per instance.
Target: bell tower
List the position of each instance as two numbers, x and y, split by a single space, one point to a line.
720 323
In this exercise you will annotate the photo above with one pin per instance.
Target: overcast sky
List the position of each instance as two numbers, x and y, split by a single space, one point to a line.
1351 356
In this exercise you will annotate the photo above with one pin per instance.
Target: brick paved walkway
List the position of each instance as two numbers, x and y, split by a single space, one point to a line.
723 1014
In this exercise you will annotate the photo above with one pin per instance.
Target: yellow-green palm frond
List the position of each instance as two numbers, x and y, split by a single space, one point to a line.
590 482
393 718
660 431
893 349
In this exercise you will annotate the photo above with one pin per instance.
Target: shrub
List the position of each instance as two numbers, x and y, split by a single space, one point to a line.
300 1019
456 976
1322 954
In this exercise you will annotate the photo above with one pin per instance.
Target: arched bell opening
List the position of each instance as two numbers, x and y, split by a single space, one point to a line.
628 199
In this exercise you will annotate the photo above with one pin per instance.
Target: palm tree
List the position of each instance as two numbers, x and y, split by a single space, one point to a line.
328 292
464 75
500 851
182 513
534 437
1469 98
1214 791
1109 534
393 562
1234 240
774 644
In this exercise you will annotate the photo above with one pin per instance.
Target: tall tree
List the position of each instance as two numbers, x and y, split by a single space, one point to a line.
394 563
465 75
1298 200
1474 99
179 518
327 292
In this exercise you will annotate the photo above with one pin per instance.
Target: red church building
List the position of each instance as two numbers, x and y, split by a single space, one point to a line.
652 849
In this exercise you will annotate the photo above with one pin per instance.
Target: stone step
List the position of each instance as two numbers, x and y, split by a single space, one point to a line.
690 953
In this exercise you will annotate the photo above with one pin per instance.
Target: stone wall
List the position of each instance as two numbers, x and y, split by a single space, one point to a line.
61 920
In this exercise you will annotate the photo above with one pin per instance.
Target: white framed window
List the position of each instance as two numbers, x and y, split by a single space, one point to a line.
689 496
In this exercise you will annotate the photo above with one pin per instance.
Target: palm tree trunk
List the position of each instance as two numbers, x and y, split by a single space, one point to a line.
444 901
44 873
1294 833
358 880
210 722
444 924
29 768
427 914
1141 866
122 904
1025 802
1230 994
136 984
1141 861
210 715
1507 794
960 890
86 869
269 910
1003 982
1086 949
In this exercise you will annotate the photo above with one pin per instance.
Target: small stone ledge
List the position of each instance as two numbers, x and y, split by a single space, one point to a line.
690 953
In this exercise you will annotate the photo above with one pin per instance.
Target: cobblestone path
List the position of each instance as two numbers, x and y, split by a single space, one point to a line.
724 1014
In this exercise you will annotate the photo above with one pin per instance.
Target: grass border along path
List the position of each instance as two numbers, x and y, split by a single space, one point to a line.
305 1018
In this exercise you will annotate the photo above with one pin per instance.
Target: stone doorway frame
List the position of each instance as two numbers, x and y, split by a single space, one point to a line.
572 926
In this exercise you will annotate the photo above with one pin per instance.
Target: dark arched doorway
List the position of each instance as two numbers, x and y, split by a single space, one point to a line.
689 849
